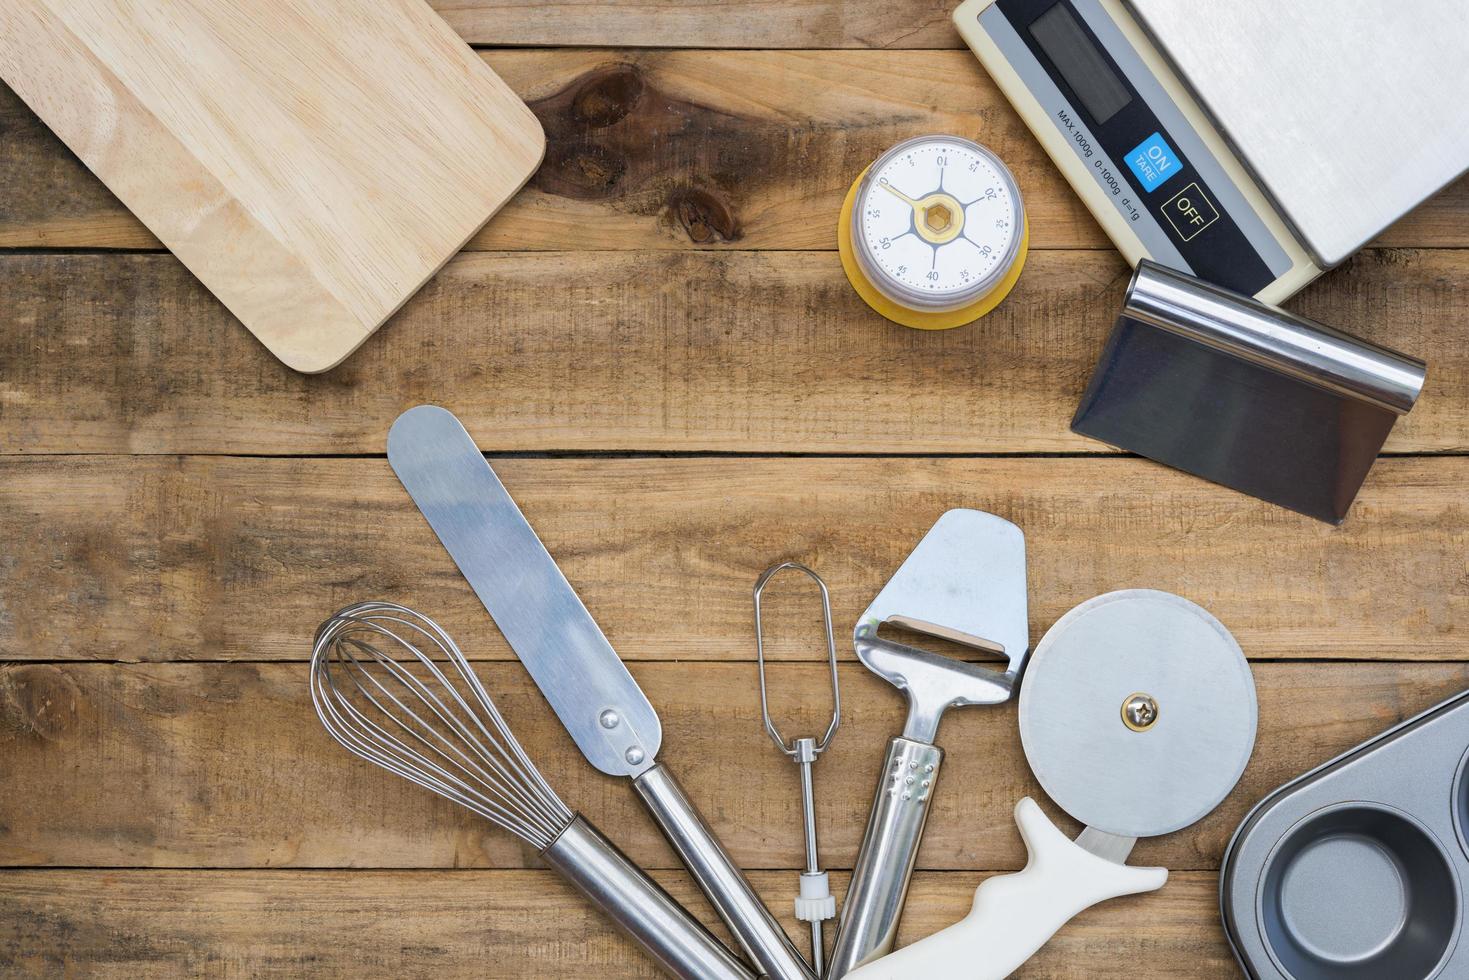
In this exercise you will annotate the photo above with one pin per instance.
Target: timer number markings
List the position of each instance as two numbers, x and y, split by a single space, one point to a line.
950 225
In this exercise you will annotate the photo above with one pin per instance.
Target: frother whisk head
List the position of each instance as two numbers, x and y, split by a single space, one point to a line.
393 688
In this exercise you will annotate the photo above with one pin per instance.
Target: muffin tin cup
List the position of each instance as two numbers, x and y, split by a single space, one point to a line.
1355 870
1358 891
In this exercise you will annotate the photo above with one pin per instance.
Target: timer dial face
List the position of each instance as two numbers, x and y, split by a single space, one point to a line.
937 223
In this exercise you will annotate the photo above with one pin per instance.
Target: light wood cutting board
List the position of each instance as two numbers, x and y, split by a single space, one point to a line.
313 162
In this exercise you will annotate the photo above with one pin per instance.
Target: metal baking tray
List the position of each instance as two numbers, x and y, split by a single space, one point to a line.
1357 869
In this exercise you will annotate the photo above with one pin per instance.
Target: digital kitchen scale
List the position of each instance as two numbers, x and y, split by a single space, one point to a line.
1250 143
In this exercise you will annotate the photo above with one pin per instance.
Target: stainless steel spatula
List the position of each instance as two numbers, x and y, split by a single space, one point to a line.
568 657
1137 715
965 582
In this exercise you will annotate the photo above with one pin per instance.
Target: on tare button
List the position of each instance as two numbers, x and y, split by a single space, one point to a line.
1190 211
1153 161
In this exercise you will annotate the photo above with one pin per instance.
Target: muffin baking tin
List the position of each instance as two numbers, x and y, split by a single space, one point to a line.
1357 869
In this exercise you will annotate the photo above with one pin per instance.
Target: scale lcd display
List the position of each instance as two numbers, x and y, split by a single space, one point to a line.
1084 68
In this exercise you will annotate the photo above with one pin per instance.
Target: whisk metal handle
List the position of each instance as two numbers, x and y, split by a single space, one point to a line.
639 906
761 937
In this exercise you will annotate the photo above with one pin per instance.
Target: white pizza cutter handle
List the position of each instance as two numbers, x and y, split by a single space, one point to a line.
1015 914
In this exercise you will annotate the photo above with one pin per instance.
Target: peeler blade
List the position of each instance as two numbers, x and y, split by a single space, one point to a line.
965 582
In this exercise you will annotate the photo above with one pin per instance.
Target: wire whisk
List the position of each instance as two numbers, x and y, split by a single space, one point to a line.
443 733
395 689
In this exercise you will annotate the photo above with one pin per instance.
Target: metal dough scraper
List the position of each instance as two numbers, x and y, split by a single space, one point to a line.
1224 387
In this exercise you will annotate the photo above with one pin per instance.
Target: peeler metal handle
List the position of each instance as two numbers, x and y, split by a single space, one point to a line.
639 906
761 937
869 922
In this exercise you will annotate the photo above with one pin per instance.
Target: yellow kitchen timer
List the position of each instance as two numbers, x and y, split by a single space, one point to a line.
933 235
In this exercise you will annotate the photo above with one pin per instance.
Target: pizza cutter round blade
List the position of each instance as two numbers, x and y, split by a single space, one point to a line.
1137 713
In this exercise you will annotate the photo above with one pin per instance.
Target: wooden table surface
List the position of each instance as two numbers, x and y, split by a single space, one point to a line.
655 344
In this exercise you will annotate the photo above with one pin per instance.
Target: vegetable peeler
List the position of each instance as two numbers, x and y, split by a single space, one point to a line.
965 582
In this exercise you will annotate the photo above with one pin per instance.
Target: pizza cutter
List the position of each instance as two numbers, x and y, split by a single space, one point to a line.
1137 714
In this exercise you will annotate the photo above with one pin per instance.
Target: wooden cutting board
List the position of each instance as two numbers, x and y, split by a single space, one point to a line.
313 162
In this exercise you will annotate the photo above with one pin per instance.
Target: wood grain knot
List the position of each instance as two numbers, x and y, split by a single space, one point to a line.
703 216
613 133
583 172
38 701
604 96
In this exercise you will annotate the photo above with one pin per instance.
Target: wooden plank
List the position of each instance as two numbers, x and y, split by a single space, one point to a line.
491 924
226 765
664 149
705 24
664 351
48 198
679 149
240 559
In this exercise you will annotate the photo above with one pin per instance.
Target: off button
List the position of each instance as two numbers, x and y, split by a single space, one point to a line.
1190 211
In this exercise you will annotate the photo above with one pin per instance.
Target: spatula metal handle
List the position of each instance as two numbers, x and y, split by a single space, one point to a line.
639 906
761 937
889 849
